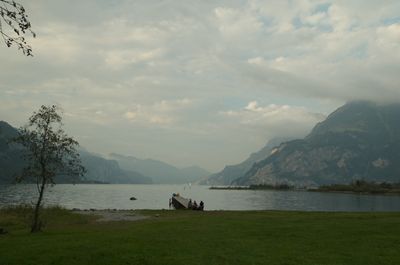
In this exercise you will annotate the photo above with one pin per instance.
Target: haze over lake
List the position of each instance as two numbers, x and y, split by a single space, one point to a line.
156 197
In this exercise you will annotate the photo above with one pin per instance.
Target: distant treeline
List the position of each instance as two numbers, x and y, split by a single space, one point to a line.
282 186
362 186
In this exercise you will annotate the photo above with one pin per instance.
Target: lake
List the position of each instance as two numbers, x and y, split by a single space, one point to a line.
105 196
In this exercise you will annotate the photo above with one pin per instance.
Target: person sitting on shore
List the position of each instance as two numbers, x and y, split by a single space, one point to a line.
201 206
194 205
190 204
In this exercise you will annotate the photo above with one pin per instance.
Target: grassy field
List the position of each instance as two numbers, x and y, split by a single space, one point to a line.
189 237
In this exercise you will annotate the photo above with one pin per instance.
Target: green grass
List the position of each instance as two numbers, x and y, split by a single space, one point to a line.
191 237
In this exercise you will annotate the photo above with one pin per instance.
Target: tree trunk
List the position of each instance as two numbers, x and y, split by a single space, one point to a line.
36 226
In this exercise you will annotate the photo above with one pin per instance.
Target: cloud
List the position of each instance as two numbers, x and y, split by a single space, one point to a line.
118 59
130 115
200 77
234 22
275 119
164 112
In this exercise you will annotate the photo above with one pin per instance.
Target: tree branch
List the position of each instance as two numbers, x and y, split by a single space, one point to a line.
16 20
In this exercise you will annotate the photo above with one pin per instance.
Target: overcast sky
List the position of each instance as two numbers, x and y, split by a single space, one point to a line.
199 82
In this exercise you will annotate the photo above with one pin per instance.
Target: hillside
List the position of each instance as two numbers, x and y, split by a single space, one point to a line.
10 154
360 140
232 172
109 171
98 168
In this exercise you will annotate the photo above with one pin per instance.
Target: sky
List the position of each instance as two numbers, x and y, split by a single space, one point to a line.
199 82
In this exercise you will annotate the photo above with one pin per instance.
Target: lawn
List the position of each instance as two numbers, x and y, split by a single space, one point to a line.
189 237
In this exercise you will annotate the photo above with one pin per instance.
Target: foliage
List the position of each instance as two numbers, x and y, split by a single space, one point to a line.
191 237
14 24
363 186
277 186
19 216
49 152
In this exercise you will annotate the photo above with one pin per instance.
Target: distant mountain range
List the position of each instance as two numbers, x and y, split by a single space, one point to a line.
99 170
119 169
160 172
360 140
233 172
109 171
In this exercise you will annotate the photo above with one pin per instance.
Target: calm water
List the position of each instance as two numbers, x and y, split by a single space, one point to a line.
156 197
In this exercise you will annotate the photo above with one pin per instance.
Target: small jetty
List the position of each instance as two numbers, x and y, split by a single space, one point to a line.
179 202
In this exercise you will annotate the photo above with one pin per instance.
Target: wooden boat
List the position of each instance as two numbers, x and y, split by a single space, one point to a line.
179 202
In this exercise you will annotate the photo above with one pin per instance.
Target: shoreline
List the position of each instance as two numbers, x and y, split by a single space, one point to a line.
142 212
386 193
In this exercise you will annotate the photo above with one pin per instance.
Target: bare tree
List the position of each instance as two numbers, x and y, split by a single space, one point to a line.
50 153
14 24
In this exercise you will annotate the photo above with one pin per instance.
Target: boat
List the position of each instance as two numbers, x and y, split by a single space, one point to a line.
179 202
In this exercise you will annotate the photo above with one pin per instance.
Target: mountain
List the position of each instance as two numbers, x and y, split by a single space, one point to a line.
360 140
194 172
98 168
109 171
160 172
10 154
232 172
